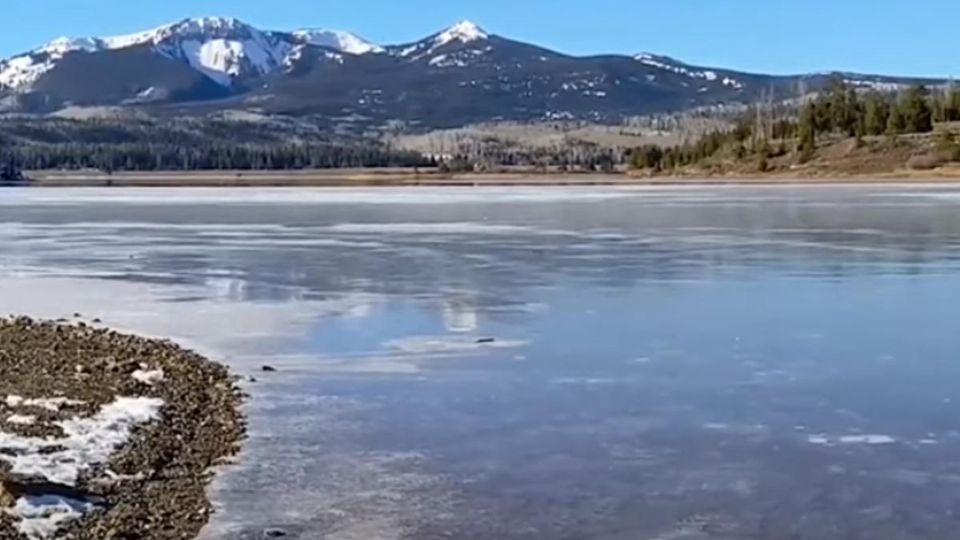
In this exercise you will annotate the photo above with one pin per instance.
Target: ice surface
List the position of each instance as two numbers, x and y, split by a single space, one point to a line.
441 344
386 417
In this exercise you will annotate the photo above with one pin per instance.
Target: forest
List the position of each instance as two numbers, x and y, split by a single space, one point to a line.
186 144
767 129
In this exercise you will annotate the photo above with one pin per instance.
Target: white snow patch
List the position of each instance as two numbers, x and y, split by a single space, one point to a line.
42 516
662 63
86 442
224 59
147 93
50 404
444 60
150 377
883 86
21 419
345 42
727 81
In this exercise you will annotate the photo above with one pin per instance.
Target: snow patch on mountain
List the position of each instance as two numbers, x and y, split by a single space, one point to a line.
461 58
876 84
223 49
22 71
63 45
341 41
664 63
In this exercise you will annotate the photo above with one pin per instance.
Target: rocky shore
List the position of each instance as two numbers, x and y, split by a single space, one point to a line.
108 436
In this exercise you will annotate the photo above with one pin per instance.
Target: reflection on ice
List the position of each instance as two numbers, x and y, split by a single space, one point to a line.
439 344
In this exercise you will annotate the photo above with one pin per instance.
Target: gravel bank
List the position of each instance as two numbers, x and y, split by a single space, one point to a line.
106 435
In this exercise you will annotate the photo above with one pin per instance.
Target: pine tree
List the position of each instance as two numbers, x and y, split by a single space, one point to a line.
896 121
876 112
807 130
917 115
951 108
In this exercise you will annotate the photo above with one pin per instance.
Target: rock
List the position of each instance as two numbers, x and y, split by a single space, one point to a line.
483 341
274 533
269 369
8 497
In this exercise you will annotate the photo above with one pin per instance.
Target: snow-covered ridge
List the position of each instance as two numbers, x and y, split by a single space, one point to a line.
339 40
222 48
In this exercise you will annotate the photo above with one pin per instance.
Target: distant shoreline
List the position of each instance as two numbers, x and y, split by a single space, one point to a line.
404 177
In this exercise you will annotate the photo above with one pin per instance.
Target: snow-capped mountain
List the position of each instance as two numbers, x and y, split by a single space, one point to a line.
461 33
458 75
224 49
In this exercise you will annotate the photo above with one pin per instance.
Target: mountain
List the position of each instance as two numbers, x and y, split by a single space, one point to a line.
460 75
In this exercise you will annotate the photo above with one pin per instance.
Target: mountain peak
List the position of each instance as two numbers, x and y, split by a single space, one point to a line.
463 31
209 24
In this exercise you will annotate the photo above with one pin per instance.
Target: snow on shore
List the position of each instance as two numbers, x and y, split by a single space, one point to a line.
87 442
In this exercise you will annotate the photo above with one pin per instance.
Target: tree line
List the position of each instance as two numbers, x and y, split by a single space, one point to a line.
768 130
157 156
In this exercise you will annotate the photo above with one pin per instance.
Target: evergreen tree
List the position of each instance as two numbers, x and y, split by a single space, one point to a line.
807 132
876 112
896 121
951 107
915 108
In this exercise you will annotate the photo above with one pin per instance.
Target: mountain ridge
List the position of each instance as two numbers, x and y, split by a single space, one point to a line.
458 75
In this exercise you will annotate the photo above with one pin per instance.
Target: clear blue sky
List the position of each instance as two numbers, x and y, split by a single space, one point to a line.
917 37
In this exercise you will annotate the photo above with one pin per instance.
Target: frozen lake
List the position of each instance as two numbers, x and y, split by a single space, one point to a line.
543 363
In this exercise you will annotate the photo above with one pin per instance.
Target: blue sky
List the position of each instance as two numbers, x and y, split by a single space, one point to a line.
777 36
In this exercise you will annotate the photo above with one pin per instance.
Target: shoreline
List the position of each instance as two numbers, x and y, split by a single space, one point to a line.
404 178
169 416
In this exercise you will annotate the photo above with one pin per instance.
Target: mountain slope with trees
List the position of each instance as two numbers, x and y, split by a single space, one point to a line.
860 131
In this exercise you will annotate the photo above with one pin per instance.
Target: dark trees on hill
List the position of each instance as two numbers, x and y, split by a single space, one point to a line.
839 111
160 156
